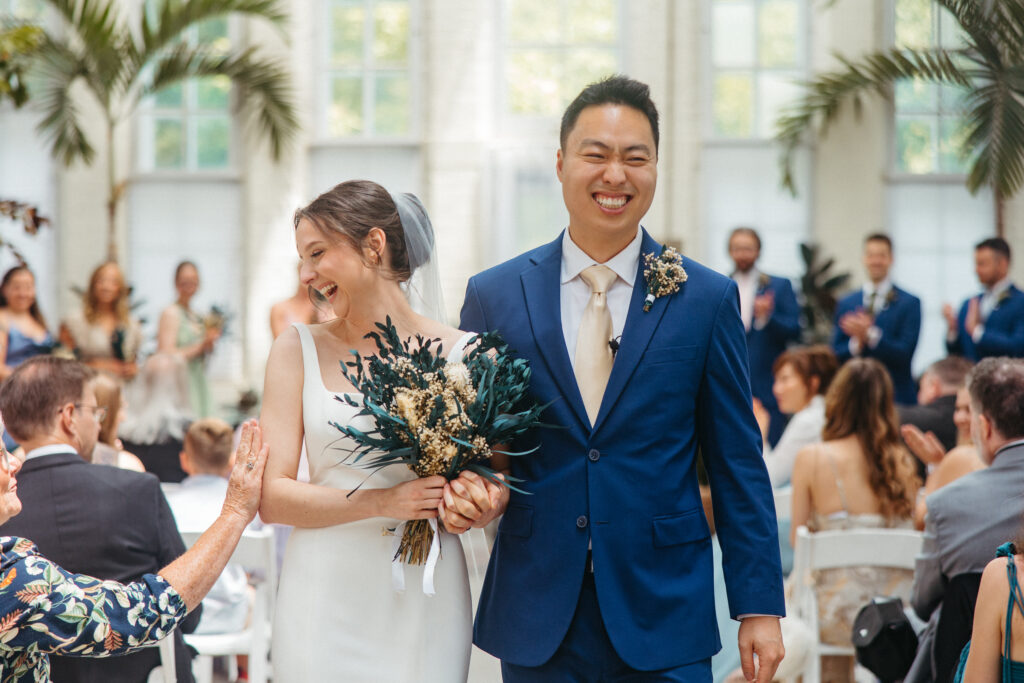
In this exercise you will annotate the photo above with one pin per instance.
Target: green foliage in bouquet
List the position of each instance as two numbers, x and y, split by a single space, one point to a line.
438 417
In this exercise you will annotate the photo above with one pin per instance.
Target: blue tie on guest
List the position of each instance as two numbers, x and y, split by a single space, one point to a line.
991 323
880 321
771 317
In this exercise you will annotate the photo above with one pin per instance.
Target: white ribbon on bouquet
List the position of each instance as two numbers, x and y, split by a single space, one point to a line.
397 568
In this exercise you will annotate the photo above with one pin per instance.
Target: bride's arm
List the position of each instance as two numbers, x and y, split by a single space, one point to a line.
287 501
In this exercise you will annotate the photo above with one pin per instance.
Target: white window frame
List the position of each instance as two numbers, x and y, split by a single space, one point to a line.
709 71
324 72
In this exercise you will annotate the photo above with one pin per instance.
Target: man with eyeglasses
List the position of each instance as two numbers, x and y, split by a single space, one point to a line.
90 519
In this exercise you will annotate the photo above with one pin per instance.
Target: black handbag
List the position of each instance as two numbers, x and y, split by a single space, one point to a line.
885 641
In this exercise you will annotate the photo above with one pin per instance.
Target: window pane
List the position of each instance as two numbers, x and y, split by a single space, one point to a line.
168 98
914 23
915 150
533 21
916 96
951 36
952 98
26 10
214 34
391 33
169 143
346 109
732 34
392 105
952 139
347 34
775 92
213 140
592 21
213 92
584 67
532 77
734 105
778 28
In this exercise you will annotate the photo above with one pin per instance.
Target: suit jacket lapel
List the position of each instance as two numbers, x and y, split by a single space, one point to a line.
636 333
542 290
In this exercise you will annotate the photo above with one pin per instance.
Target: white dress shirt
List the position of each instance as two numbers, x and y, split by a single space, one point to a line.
52 449
803 429
575 293
747 284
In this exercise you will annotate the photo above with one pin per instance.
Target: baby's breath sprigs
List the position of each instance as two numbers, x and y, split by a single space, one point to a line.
664 274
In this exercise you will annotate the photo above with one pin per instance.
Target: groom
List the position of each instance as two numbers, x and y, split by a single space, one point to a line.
604 571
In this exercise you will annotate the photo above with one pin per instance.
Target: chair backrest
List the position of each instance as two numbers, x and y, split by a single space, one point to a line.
783 502
257 553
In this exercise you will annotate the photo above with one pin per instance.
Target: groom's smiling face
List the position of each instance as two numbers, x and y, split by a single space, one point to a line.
608 170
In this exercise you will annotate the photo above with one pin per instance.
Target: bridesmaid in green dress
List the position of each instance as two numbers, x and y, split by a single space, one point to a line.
183 333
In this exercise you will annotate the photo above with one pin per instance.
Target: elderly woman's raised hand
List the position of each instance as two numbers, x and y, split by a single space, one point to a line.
246 481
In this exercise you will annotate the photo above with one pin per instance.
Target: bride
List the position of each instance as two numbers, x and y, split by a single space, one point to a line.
339 616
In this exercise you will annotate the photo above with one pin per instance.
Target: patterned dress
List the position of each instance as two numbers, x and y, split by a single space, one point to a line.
45 609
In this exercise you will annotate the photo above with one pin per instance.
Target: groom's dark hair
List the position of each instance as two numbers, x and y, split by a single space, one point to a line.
615 89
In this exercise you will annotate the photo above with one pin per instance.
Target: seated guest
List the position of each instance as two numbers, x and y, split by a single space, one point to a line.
771 316
881 321
108 450
802 376
49 610
936 401
860 476
105 522
980 511
997 638
990 323
206 458
961 460
23 332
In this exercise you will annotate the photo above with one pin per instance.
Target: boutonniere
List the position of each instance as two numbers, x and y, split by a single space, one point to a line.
1003 296
764 280
664 273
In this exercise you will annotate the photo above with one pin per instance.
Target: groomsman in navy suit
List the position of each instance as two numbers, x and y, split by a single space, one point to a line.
880 321
771 318
990 323
603 571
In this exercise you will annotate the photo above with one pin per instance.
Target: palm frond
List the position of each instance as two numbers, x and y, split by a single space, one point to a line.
264 86
100 28
161 30
59 68
874 73
995 123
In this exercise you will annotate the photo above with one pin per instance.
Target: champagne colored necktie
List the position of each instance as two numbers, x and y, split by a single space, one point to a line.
594 357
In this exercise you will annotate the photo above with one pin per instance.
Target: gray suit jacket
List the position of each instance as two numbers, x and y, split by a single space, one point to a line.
966 522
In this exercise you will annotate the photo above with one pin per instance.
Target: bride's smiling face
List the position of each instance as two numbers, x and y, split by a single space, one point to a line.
332 267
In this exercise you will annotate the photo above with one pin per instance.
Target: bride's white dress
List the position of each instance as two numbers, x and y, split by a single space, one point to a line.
338 616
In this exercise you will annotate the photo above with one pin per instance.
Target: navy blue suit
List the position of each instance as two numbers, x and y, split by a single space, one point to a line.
628 485
766 344
1004 329
900 324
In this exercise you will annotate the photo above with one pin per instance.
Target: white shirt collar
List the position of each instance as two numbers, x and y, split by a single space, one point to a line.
883 288
999 287
625 263
751 275
52 449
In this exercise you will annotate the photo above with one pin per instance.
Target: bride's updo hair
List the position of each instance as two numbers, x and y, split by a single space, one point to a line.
350 210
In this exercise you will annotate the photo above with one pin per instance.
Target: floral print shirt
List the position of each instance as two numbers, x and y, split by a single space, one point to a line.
45 609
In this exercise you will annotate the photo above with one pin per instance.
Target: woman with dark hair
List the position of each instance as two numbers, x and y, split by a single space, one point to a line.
184 334
802 376
339 615
23 332
860 476
104 334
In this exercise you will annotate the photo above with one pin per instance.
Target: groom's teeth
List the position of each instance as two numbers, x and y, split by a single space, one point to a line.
611 202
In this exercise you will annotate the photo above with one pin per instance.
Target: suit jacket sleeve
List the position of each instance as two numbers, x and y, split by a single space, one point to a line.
841 340
1008 343
730 442
898 347
929 585
472 319
784 323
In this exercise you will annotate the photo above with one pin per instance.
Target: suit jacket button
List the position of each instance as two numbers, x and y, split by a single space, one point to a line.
594 455
581 522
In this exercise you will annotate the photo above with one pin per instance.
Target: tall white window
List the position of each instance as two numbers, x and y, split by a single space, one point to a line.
23 10
368 90
553 48
929 127
188 127
758 52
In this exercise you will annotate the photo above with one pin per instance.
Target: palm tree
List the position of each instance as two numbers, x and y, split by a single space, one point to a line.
989 67
120 65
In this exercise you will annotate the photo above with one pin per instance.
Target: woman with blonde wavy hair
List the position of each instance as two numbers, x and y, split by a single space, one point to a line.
860 476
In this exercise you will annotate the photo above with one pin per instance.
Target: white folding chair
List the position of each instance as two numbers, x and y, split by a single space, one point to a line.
895 548
783 502
256 552
166 672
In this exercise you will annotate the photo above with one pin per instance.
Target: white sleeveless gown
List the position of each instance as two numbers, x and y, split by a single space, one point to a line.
338 616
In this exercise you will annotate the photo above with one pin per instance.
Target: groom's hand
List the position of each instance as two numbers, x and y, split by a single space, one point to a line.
471 501
761 636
